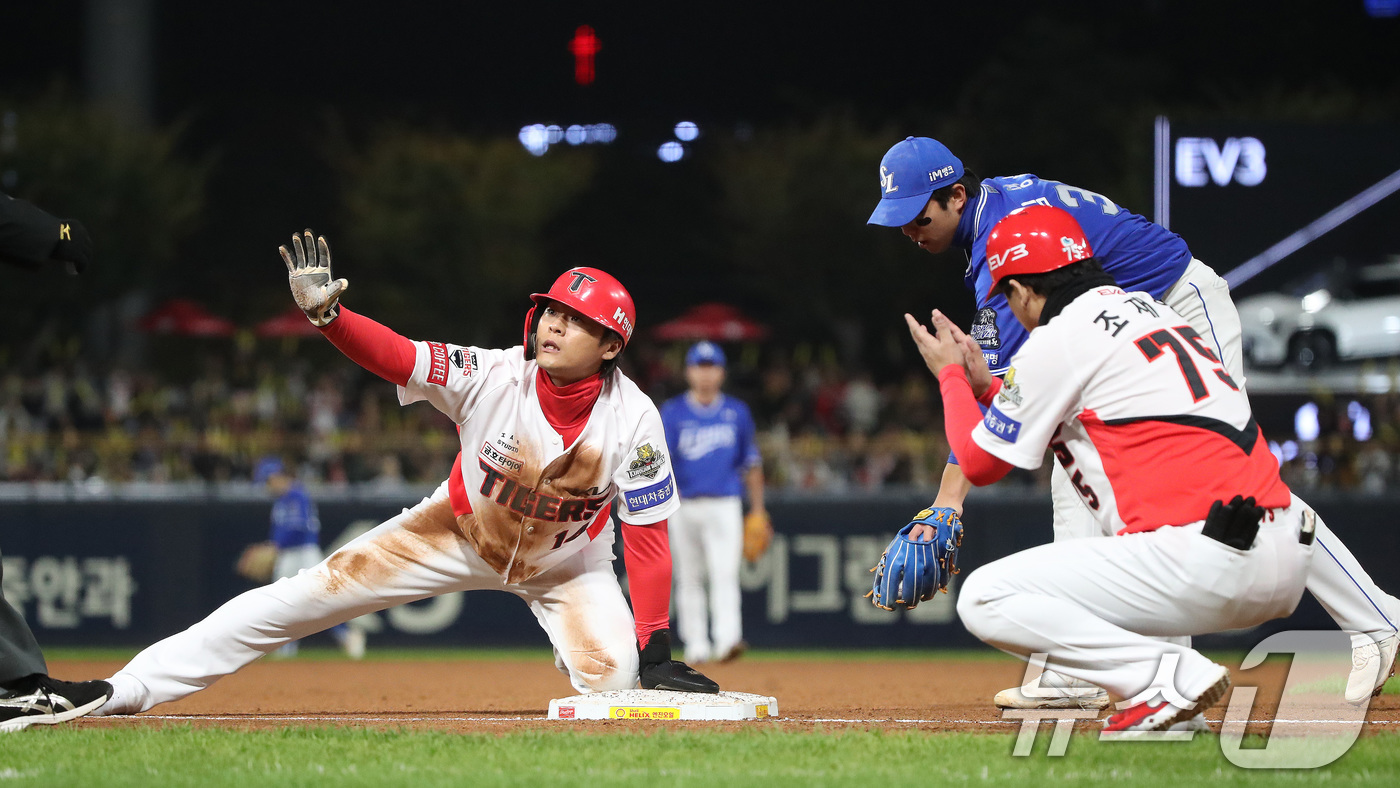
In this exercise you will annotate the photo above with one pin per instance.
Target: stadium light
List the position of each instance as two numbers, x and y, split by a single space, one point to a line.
670 152
537 137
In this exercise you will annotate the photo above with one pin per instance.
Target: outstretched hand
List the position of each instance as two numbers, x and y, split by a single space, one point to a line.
309 274
942 347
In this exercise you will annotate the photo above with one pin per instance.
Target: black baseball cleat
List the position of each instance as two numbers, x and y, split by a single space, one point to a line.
42 700
659 671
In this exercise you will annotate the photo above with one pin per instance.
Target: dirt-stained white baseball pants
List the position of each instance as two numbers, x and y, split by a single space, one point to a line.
707 543
1338 581
1100 607
414 555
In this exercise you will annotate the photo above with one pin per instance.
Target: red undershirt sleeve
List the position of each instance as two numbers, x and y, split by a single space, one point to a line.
647 552
960 417
372 345
990 393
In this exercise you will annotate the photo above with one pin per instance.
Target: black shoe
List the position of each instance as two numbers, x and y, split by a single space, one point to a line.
45 701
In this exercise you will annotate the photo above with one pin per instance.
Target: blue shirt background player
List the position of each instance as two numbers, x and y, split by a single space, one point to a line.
716 459
294 519
711 435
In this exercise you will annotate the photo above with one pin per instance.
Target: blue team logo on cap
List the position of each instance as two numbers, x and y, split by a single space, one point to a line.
909 173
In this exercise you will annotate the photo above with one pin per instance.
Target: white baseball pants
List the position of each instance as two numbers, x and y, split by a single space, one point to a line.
412 556
707 543
1098 607
1335 578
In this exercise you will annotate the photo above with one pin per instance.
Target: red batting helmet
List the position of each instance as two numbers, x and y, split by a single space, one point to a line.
595 294
1034 240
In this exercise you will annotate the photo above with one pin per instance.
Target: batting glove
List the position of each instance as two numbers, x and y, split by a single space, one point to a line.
309 273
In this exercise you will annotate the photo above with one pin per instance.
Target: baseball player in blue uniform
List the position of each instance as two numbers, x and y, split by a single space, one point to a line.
937 204
296 531
715 455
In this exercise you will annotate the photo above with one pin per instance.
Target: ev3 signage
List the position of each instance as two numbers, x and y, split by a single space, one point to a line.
1201 160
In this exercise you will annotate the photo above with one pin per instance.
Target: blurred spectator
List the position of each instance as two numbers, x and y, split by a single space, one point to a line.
820 427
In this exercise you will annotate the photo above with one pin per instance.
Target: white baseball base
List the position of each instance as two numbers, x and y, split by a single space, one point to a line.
640 704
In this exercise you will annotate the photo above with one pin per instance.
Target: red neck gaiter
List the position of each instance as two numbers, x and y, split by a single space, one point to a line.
567 407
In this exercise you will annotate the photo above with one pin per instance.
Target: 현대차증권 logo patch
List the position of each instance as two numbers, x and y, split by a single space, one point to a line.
999 425
648 462
648 497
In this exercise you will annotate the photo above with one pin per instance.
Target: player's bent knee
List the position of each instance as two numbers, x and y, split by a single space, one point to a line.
972 602
606 669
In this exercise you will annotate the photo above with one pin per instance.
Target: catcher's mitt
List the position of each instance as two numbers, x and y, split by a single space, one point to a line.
256 561
758 534
913 570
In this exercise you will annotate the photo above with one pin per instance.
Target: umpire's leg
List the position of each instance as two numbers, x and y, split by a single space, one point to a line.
19 651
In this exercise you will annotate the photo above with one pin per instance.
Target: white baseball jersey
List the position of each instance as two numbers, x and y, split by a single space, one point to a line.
535 500
1147 423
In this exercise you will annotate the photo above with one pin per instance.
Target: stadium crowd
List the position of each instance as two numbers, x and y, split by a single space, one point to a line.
823 426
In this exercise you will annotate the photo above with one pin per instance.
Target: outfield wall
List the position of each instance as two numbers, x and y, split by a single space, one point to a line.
127 572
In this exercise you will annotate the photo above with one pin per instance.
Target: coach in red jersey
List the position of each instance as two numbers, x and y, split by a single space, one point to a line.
1162 447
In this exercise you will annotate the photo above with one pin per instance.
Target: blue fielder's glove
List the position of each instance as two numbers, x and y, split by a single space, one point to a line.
912 571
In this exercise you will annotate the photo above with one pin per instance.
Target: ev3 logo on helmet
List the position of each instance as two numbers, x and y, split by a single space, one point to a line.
1016 252
620 317
887 180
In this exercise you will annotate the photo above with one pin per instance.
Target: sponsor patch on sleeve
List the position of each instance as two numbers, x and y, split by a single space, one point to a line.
437 363
649 497
464 360
1002 427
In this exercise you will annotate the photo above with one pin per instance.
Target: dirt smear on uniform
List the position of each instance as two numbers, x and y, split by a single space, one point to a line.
425 530
500 533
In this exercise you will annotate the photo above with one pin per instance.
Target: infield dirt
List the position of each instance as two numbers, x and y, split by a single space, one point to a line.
469 695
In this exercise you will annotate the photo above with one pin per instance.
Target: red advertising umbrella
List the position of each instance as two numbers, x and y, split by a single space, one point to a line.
184 317
292 323
712 321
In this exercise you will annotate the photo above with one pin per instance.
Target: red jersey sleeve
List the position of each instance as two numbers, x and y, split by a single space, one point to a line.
647 552
372 345
988 395
960 416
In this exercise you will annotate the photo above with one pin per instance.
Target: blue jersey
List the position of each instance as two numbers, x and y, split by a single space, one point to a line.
294 520
711 446
1138 254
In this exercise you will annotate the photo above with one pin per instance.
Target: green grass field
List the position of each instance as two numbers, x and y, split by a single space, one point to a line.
768 753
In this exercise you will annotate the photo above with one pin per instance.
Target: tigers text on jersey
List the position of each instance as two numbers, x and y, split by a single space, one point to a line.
1149 426
1138 254
713 444
534 501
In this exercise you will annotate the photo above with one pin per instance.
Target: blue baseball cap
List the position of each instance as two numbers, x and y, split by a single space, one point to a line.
265 468
909 173
704 353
